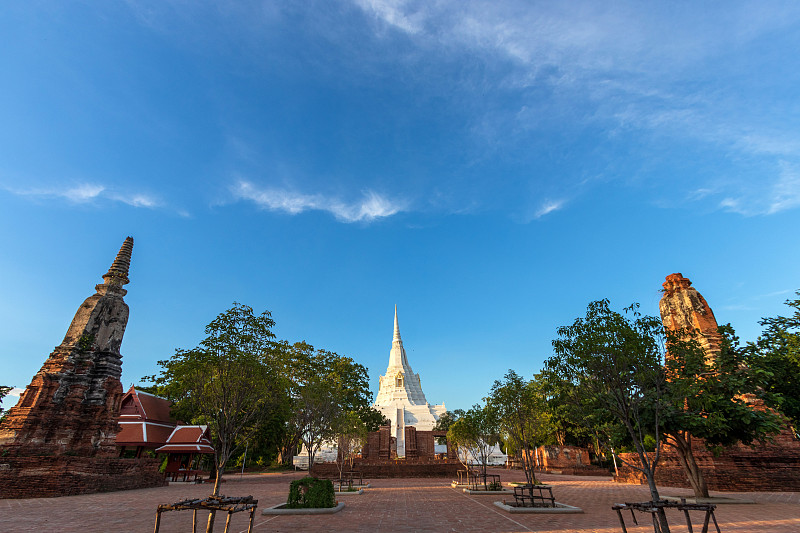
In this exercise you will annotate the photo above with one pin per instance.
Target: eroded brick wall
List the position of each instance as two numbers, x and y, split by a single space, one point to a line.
393 469
47 477
767 468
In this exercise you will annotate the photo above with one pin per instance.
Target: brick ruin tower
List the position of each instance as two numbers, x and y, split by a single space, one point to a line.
61 436
773 466
72 403
683 308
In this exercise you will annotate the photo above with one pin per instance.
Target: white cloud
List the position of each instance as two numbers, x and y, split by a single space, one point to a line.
786 190
548 207
81 193
738 307
86 193
767 198
402 14
777 293
545 208
369 208
137 200
625 66
16 391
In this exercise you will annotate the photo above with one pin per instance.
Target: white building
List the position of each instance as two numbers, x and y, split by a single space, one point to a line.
495 457
400 397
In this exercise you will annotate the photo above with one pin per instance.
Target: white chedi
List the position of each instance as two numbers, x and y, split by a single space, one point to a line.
494 457
400 397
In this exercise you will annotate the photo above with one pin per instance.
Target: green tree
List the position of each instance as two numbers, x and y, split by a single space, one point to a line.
350 434
580 422
617 362
523 416
447 419
316 411
709 397
372 418
474 434
323 386
227 382
777 353
3 391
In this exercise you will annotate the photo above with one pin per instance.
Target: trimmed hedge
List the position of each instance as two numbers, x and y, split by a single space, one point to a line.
310 492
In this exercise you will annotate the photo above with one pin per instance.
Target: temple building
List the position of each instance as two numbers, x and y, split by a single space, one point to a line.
400 397
60 439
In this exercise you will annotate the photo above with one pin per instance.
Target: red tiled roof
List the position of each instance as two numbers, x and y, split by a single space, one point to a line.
138 405
185 448
143 434
196 439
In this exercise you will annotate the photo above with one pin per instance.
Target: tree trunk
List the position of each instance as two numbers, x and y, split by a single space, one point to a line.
683 448
648 470
213 514
654 496
527 463
614 458
311 455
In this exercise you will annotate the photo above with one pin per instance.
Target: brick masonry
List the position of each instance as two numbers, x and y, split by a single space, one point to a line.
770 467
408 505
393 469
47 477
60 439
774 466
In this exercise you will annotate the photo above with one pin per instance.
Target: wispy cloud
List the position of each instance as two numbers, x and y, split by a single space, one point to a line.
737 307
777 293
626 66
371 206
16 391
774 196
786 190
400 14
88 193
548 207
81 193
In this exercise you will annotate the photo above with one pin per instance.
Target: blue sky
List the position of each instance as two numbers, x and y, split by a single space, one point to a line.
488 166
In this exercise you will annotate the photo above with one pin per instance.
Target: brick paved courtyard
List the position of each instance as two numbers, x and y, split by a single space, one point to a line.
428 505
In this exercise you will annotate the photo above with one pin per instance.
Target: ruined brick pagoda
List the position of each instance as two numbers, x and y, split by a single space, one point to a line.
60 438
684 309
773 466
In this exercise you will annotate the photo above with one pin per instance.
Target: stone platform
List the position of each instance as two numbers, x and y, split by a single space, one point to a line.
398 469
63 475
423 505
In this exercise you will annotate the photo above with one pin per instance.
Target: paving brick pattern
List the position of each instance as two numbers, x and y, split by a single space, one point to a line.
424 505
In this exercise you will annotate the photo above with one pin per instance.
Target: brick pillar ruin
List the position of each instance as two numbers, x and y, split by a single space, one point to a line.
72 403
61 437
772 466
684 309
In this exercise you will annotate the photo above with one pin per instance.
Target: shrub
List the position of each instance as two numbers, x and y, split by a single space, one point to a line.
310 492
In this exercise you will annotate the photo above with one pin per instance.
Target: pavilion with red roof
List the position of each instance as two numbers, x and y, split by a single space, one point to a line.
147 425
145 422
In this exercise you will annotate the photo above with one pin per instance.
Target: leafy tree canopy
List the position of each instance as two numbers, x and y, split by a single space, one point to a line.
777 352
521 410
616 361
3 391
227 382
711 396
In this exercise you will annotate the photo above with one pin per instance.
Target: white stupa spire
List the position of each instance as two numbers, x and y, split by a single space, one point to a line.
398 362
400 397
396 336
399 382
